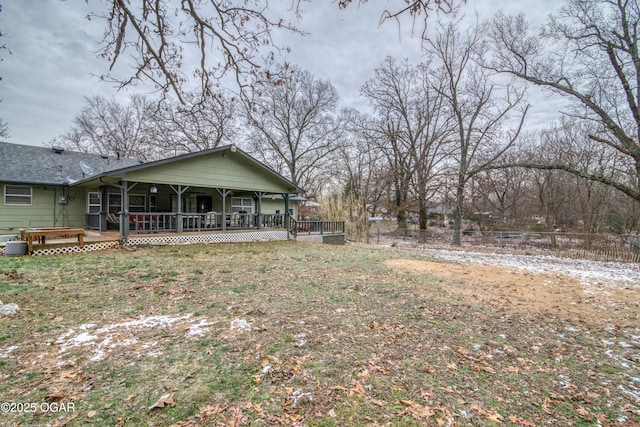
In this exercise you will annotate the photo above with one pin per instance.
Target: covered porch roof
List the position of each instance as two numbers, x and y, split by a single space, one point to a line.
225 167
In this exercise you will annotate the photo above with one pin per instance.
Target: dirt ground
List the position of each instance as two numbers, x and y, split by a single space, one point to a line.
525 292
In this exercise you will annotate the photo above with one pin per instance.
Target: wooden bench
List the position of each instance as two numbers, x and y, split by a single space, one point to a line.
42 233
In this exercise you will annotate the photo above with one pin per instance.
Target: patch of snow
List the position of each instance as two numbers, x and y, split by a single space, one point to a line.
301 340
199 328
145 322
300 396
105 339
8 350
240 324
8 309
82 339
632 391
632 386
592 274
97 355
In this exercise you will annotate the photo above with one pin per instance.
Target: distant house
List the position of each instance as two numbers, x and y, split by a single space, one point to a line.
308 209
222 188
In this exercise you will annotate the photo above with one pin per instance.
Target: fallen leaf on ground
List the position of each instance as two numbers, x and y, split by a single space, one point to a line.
357 389
164 401
56 395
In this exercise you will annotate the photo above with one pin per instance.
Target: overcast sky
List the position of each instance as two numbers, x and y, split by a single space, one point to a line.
53 63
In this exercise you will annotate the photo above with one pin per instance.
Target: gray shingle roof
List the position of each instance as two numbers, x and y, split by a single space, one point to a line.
26 164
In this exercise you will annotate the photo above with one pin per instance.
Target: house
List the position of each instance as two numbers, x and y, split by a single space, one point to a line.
35 184
309 209
223 189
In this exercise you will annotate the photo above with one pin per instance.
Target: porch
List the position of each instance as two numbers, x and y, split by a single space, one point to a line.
213 190
94 240
178 222
143 208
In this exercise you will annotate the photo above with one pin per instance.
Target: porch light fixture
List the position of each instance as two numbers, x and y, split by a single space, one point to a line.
153 189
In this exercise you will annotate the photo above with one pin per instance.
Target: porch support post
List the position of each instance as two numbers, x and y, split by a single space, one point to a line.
124 210
257 195
287 217
223 221
104 207
124 225
179 191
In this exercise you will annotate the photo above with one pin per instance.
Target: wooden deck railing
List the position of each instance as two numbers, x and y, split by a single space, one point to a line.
153 222
317 227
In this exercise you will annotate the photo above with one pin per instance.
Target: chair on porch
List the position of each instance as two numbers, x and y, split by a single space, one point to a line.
210 220
140 222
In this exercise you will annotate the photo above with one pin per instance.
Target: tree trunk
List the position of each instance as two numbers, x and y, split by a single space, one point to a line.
401 199
422 220
457 214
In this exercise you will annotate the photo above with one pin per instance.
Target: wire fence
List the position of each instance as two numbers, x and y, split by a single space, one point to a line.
597 247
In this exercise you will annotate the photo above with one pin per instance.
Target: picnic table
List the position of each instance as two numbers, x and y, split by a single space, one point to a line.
41 235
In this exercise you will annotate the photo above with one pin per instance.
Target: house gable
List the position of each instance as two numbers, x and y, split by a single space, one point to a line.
219 168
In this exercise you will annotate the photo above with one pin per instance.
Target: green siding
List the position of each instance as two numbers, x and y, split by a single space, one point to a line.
214 171
269 206
223 169
45 211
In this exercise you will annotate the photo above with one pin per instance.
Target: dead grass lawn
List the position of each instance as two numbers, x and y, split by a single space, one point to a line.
301 334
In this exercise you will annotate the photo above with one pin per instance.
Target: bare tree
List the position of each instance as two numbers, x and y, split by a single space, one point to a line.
4 131
589 53
198 125
3 47
501 190
107 127
222 37
360 170
386 131
294 128
418 10
225 37
568 142
422 123
488 115
362 164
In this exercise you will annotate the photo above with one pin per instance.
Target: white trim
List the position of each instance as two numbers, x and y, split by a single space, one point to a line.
242 206
30 196
186 239
89 205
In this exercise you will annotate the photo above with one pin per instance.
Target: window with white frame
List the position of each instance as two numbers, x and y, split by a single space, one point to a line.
93 202
18 195
241 204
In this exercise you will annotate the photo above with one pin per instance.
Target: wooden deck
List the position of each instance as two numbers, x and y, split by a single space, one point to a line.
94 240
41 235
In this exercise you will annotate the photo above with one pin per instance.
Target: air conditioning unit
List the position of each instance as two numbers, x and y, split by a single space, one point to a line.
63 199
